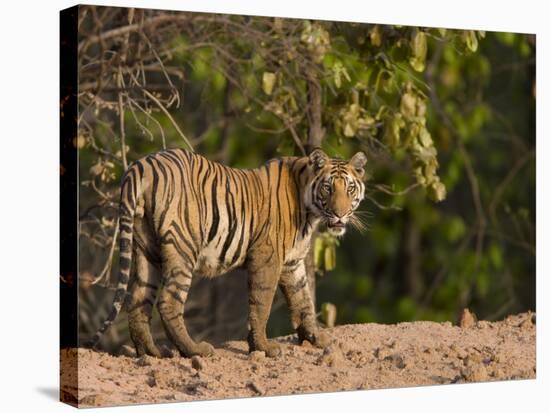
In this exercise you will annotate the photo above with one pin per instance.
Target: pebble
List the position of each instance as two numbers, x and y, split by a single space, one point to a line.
197 363
144 361
467 319
390 343
152 381
92 400
256 387
475 373
257 356
331 356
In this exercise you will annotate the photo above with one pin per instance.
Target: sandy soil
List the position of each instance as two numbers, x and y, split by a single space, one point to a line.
361 356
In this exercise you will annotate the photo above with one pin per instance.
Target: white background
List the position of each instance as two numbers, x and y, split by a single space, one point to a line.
29 203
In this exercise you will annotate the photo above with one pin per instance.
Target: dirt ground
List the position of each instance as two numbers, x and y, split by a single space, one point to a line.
361 356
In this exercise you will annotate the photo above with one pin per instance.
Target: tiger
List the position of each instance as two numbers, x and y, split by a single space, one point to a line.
181 214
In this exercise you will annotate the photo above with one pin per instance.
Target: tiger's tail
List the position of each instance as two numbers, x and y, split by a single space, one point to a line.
130 190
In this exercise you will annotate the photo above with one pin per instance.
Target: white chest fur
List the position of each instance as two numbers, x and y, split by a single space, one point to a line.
302 244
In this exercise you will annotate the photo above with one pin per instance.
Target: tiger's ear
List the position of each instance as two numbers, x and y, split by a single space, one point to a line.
358 162
318 159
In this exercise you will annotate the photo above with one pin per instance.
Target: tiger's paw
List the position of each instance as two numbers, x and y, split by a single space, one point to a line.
273 349
318 338
204 349
322 339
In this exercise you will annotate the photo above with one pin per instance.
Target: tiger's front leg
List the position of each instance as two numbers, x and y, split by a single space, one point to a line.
262 284
295 288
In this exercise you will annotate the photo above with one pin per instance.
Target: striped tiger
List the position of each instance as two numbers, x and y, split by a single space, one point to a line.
181 214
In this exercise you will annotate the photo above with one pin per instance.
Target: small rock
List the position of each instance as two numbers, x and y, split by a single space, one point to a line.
344 348
382 353
256 356
92 400
105 364
499 374
128 351
306 344
475 373
197 363
473 359
457 351
152 381
144 361
256 387
397 360
331 357
483 324
390 343
467 319
526 324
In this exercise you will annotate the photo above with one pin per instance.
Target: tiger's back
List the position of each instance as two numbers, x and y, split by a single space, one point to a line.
214 214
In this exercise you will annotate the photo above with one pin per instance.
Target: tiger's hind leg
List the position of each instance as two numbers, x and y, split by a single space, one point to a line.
293 283
177 281
143 291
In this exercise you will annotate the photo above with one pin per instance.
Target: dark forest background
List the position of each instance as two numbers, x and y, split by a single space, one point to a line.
446 117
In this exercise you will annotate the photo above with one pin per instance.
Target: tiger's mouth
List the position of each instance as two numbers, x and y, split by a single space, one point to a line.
337 228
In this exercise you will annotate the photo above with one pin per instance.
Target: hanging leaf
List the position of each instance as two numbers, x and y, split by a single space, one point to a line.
330 257
349 132
419 48
425 138
318 251
437 191
328 314
97 168
469 37
392 131
407 105
375 35
268 81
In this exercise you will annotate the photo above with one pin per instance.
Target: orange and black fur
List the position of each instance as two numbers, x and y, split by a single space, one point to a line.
181 214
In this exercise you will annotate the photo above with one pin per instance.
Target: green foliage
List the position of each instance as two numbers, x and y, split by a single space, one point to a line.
443 115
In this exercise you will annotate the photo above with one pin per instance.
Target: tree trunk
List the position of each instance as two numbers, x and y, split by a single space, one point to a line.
316 134
316 131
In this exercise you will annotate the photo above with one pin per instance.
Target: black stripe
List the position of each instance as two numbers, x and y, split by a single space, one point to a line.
279 212
215 212
230 202
155 185
184 239
124 264
238 251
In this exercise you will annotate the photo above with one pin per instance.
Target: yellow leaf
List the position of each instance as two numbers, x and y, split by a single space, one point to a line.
330 257
328 314
349 131
419 49
375 36
268 81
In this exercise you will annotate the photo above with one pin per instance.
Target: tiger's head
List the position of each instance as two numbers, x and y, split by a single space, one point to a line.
335 189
